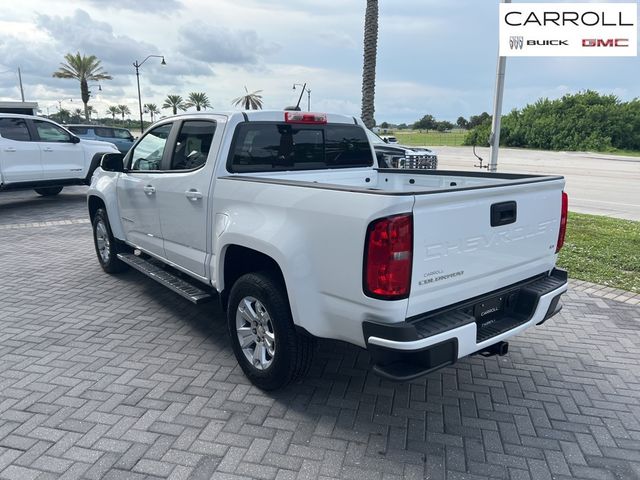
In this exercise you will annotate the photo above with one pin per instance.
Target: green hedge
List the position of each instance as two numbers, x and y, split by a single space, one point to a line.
584 121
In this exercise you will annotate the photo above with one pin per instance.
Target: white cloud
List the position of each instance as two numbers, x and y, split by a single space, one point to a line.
434 56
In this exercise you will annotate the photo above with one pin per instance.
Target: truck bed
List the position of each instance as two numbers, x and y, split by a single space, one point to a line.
395 182
473 232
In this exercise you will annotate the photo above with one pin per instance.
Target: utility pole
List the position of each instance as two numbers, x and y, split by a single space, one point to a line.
494 139
20 81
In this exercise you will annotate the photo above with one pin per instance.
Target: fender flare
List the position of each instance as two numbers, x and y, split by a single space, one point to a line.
95 162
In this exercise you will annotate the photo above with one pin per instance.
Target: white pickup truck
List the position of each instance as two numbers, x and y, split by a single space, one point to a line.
39 154
285 217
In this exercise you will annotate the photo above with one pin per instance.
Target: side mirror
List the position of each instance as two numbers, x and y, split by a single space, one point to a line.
386 140
112 162
75 139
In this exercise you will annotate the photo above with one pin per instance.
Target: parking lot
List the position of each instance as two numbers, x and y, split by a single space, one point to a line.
116 377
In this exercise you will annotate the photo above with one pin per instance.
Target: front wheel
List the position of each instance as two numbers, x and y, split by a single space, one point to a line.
105 243
48 191
269 350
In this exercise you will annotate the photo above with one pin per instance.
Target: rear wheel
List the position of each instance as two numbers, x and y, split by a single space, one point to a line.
269 350
107 247
48 191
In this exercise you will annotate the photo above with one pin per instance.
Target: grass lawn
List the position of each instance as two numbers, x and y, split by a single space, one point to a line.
430 139
602 250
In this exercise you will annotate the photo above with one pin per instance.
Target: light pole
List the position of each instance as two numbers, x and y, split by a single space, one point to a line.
19 81
138 65
93 85
63 100
494 139
99 89
304 87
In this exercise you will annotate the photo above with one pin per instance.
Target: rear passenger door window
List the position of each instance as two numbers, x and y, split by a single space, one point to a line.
147 154
14 129
193 145
103 132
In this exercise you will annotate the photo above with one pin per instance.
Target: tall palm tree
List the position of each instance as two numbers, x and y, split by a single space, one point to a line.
152 109
113 110
174 102
369 64
123 110
85 69
249 101
198 100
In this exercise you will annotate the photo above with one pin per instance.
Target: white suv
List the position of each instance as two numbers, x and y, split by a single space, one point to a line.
40 154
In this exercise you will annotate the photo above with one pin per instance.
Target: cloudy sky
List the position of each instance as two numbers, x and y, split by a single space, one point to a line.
434 56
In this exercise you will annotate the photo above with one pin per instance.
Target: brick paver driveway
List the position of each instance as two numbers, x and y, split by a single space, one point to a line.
117 377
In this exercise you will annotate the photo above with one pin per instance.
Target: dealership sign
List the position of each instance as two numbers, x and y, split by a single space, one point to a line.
568 29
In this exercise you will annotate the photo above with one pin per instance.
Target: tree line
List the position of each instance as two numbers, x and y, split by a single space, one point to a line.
583 121
429 122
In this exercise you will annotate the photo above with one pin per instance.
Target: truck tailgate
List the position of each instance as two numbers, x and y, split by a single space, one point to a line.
459 254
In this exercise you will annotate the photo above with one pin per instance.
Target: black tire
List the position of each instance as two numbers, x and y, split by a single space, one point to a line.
293 352
48 191
107 247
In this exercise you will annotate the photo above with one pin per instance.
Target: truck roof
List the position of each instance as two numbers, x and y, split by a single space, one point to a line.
267 116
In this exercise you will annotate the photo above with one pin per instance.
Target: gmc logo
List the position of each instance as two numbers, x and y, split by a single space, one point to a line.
609 42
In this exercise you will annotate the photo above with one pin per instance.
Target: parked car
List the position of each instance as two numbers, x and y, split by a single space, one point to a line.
286 219
120 137
402 156
40 154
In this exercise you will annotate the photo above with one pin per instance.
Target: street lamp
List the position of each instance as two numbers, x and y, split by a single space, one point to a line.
93 85
138 65
63 100
304 87
99 89
19 81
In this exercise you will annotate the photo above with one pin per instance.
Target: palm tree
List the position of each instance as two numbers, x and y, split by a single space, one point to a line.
152 109
249 101
85 69
174 102
123 110
64 115
77 115
198 100
113 110
369 64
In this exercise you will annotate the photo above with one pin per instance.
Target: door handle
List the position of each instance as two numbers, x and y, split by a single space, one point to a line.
47 149
193 195
149 189
10 149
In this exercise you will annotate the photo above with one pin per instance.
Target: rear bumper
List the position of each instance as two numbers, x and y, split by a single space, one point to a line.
434 340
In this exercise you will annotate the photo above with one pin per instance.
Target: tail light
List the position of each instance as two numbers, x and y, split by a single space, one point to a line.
563 221
388 256
305 117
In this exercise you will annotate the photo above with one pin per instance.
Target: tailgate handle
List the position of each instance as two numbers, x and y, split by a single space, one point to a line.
503 213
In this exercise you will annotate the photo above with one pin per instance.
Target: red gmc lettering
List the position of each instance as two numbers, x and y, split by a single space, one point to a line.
609 42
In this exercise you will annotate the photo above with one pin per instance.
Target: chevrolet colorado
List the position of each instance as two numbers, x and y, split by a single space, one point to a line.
287 219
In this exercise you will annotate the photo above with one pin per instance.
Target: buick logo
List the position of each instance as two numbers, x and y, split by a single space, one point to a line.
516 43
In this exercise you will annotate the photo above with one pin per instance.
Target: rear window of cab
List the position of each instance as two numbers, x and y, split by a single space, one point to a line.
272 146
